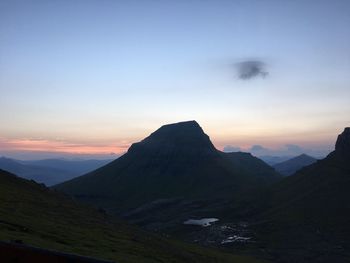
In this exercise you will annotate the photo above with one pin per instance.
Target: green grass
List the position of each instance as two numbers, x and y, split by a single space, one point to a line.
44 218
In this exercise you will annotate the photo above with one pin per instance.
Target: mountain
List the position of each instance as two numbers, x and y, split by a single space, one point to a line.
41 217
50 171
290 166
272 160
175 170
74 166
46 175
307 215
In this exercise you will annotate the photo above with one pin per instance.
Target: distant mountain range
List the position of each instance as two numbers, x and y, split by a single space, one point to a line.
174 171
292 165
272 160
50 171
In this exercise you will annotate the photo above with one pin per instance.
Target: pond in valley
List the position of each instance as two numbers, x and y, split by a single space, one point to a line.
201 222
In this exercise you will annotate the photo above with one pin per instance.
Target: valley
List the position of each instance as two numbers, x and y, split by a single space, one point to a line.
152 131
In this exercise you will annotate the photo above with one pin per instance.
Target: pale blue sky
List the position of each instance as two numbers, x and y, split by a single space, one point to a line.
102 74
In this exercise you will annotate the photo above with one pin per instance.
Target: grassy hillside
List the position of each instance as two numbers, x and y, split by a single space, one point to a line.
317 195
44 218
306 217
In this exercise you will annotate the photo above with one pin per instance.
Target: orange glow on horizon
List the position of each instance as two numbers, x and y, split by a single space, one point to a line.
120 147
62 146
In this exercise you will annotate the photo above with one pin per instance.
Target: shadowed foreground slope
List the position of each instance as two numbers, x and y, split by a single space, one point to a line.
41 217
307 215
19 253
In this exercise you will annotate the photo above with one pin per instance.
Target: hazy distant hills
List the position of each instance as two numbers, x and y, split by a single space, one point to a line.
75 166
41 217
292 165
175 164
272 160
50 171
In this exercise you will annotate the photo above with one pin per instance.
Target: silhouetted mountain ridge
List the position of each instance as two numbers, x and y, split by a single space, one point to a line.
342 146
187 137
290 166
310 210
176 161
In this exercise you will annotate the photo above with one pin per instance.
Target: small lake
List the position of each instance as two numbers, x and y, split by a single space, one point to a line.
201 222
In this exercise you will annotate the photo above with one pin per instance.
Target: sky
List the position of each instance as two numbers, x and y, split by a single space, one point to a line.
88 78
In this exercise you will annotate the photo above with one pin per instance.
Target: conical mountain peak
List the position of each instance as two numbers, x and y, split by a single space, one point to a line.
180 129
182 136
342 145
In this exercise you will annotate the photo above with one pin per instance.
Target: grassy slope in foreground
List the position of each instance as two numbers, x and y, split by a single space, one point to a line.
41 217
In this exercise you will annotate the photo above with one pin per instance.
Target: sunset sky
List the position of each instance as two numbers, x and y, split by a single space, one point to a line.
88 78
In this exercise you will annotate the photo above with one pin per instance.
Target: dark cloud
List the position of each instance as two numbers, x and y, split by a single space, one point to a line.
250 69
230 148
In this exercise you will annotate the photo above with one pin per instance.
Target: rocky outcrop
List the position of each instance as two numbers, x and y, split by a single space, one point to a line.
342 145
